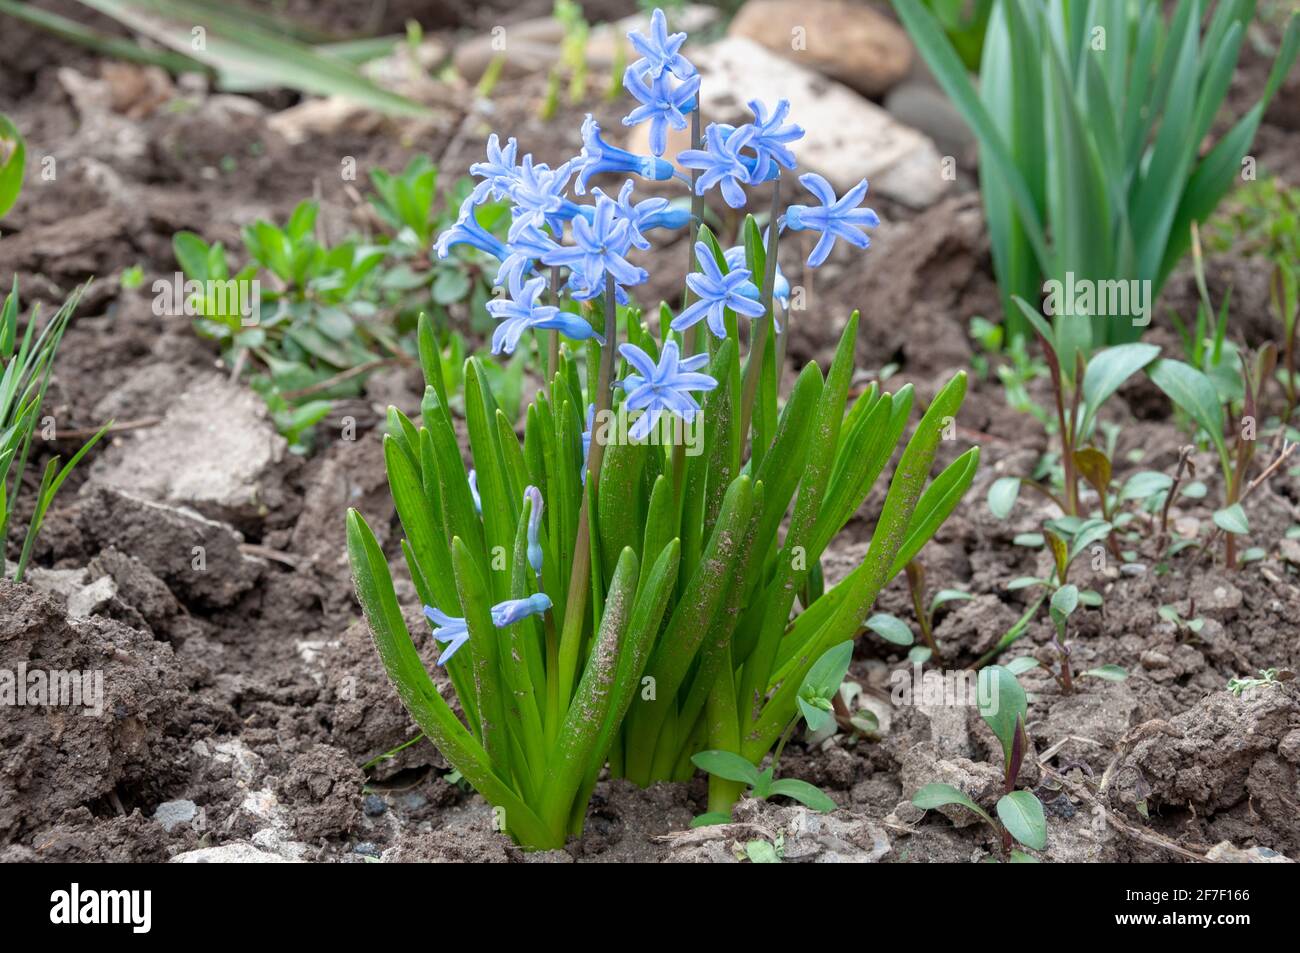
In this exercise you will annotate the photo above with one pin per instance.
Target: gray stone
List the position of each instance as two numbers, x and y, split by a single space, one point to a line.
174 814
215 451
236 853
925 108
198 558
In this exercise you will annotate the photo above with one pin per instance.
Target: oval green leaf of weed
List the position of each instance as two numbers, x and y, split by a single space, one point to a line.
1191 390
726 765
1064 601
824 678
1022 814
1002 496
1109 369
1110 673
891 628
817 718
1145 484
937 795
1025 663
806 794
1002 704
1232 519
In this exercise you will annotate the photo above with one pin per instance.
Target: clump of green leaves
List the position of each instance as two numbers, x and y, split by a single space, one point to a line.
27 360
328 313
1003 706
1091 119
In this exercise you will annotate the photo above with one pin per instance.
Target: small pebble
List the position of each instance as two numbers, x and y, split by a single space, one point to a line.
366 849
373 805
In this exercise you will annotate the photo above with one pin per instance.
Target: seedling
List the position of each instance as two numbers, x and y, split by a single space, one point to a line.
1267 676
1003 707
1065 601
924 614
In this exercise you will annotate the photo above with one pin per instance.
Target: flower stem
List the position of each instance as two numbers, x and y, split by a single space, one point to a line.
579 580
757 345
690 336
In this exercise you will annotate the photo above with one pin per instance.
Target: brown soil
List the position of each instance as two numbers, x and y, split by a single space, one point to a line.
255 692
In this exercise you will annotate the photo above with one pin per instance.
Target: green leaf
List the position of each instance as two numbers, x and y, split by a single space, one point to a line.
1107 371
1232 519
891 628
948 595
726 765
761 852
1064 601
1109 673
13 163
451 285
937 795
824 678
1022 814
1002 496
1025 663
803 792
1145 484
711 819
1020 857
816 717
1002 705
1193 392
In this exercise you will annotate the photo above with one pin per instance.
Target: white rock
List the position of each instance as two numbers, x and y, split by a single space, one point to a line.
174 814
236 853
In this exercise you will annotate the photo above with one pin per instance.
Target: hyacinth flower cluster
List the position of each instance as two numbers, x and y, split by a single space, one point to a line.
635 579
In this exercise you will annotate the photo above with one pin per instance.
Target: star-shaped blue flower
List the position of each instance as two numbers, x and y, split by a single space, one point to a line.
722 162
716 293
446 628
660 50
769 140
836 218
498 172
521 312
528 246
538 198
467 231
663 104
599 247
599 156
662 388
655 212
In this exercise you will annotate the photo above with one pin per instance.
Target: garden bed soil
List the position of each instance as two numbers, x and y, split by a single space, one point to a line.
246 715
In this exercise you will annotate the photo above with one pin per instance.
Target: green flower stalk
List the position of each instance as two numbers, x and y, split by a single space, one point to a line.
623 596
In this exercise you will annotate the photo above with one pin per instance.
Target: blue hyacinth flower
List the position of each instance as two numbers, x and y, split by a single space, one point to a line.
660 51
527 247
722 162
716 293
498 172
521 312
662 388
513 610
663 104
649 213
467 231
538 199
533 496
599 156
735 258
599 248
836 218
446 628
769 140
